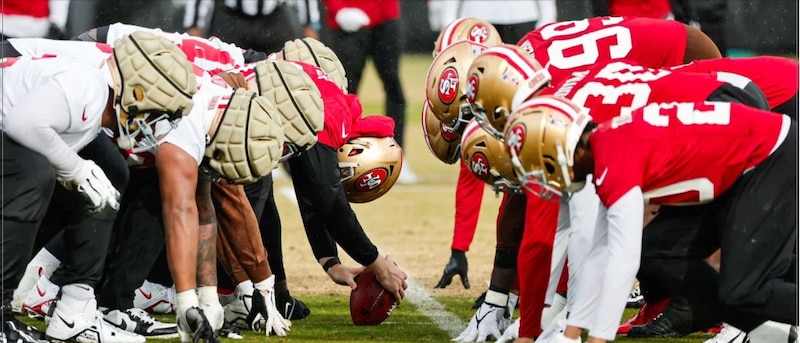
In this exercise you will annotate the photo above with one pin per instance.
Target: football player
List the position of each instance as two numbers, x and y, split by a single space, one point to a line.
117 96
745 146
321 198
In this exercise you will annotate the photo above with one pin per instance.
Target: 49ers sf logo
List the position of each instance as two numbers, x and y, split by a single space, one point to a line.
448 85
478 33
515 139
371 179
447 134
479 165
472 87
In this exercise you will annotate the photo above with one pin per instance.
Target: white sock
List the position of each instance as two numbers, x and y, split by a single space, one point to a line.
186 300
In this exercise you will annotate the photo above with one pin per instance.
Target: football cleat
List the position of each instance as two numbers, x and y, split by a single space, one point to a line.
635 299
15 331
155 298
646 314
140 322
193 326
728 334
44 263
87 327
39 299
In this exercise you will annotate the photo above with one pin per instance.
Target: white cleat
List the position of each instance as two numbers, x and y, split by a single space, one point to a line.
140 322
44 263
728 334
155 298
85 325
407 176
39 299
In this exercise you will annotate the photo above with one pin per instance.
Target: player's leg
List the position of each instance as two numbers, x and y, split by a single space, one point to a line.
758 241
351 48
28 182
533 262
386 49
469 195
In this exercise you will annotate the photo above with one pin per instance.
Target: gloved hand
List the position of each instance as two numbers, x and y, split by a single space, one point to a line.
457 265
351 19
489 320
511 333
275 321
93 184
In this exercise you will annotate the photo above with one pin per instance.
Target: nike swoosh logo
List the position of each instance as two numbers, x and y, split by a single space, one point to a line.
286 312
69 324
83 116
480 318
40 291
602 177
344 133
146 295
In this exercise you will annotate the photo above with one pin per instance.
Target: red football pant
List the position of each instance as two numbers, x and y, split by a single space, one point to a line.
469 195
533 264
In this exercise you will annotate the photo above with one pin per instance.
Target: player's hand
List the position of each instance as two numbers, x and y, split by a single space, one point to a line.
93 184
457 265
351 19
511 333
275 323
489 320
344 275
309 32
194 31
390 276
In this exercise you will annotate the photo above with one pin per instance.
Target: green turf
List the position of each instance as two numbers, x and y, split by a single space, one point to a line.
330 322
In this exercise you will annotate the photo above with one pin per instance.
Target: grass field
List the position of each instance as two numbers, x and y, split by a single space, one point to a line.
413 223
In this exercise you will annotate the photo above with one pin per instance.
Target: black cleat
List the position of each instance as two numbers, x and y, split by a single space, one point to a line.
292 308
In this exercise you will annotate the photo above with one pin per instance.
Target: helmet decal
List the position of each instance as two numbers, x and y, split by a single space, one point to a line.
447 134
472 87
479 165
371 179
478 33
516 138
448 85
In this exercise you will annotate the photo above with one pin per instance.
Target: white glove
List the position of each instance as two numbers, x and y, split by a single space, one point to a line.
510 334
351 19
93 184
489 320
274 323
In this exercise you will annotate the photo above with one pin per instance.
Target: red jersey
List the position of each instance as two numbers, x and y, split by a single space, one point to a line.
616 88
567 46
377 11
776 76
682 153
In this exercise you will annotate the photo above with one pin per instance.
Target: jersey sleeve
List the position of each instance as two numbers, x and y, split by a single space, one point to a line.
190 135
616 168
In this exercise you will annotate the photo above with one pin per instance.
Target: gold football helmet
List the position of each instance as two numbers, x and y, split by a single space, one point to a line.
471 29
541 137
445 85
152 81
500 78
369 167
486 157
444 144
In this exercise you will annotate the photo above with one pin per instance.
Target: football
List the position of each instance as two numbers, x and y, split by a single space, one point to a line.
370 303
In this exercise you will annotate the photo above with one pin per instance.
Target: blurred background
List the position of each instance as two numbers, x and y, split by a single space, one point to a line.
751 26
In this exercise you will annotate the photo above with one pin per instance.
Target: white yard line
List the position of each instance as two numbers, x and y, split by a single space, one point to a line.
288 192
434 310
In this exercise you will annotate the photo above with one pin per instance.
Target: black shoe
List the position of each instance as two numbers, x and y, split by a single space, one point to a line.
457 265
229 330
292 308
661 327
15 331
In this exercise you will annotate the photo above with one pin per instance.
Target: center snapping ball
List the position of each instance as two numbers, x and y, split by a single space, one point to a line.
370 303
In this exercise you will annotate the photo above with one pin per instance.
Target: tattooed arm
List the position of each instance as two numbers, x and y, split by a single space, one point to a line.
207 250
177 176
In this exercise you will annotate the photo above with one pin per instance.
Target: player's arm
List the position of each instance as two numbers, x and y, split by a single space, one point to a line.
207 248
36 120
177 176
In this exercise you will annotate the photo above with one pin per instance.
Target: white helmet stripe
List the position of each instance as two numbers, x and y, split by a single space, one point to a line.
523 66
450 31
551 102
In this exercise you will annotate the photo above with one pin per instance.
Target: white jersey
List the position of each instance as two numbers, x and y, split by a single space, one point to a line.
211 54
45 98
94 54
191 135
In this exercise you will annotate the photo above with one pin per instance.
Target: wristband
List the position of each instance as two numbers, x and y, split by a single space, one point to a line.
330 263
